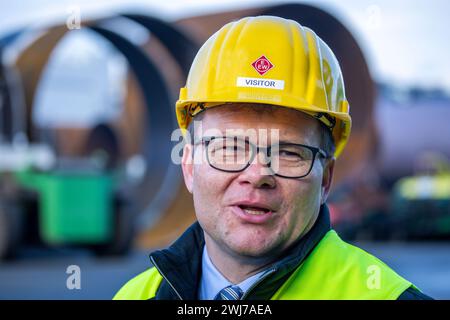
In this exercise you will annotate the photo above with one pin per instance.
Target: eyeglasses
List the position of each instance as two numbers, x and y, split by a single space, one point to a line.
234 154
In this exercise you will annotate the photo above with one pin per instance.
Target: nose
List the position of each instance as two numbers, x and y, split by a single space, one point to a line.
258 174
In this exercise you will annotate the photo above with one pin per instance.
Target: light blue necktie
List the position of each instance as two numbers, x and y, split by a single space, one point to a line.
230 293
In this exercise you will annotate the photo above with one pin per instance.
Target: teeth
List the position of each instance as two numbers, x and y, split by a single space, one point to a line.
254 212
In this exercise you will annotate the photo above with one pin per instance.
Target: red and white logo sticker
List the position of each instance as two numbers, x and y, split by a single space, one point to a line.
262 65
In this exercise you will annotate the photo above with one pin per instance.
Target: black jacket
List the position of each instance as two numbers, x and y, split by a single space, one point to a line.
180 265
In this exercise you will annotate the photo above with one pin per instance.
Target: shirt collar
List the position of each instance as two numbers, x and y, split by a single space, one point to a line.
212 281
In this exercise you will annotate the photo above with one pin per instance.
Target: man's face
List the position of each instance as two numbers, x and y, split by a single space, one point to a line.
226 203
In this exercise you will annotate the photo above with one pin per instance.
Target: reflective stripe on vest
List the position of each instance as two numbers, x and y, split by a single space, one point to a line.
333 270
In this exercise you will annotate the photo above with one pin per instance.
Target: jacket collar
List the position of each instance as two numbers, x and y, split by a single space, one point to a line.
180 264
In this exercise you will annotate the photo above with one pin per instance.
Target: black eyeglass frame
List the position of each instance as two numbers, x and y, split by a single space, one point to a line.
256 149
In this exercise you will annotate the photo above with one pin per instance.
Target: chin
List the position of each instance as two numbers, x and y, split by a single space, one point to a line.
249 248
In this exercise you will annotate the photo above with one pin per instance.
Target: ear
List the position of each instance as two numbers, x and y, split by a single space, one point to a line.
187 166
327 178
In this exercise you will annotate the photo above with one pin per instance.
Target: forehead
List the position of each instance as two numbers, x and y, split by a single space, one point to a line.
292 125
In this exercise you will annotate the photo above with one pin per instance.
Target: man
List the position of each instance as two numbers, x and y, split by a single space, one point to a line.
271 116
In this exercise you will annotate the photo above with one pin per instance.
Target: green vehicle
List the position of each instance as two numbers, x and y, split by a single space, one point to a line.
422 206
74 203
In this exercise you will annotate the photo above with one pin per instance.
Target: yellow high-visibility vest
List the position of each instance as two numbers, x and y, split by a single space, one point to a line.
333 270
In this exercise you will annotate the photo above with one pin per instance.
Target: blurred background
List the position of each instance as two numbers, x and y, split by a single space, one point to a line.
87 93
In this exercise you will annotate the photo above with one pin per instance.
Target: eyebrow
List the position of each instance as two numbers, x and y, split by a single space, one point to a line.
289 142
246 138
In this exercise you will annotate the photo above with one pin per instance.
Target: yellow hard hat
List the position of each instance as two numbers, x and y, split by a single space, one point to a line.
268 60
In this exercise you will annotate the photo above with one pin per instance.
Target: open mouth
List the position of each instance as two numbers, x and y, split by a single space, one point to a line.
256 211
